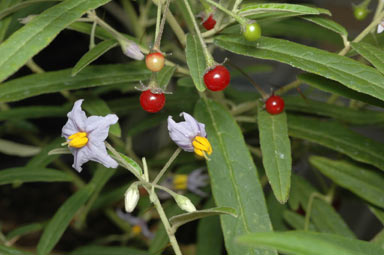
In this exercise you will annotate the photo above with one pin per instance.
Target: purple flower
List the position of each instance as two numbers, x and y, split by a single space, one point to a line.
190 135
138 225
86 136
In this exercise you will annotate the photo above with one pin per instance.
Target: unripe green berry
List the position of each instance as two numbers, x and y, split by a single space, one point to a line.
252 32
360 13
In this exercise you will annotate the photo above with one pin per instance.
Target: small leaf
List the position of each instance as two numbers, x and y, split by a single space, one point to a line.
17 149
107 250
37 34
97 106
31 174
347 71
182 219
371 53
60 221
259 10
24 230
363 182
93 54
196 61
328 24
276 149
12 251
59 151
310 243
164 76
132 164
34 112
337 137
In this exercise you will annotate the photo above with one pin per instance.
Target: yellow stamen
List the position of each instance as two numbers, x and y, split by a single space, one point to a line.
180 181
136 230
202 147
78 140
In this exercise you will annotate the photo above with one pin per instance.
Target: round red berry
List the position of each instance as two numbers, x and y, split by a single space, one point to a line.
274 104
217 78
209 23
155 61
151 102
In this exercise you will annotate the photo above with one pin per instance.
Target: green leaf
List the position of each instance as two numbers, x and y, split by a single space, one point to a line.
276 150
333 87
50 82
276 211
363 182
345 114
268 10
337 137
37 34
17 149
310 243
371 53
97 106
93 54
196 61
131 164
349 72
31 174
34 112
165 75
12 251
19 6
209 236
328 24
107 250
234 178
297 221
379 213
323 215
44 158
24 230
60 221
184 218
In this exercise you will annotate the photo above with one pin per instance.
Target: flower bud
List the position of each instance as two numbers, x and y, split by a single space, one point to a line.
184 203
132 196
131 49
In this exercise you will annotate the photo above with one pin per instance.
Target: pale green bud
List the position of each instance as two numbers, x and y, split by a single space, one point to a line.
184 203
132 196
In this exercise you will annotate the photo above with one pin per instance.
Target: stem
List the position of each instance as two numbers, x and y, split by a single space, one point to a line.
166 166
158 20
236 5
92 38
146 172
238 18
208 57
34 67
289 86
249 78
176 28
244 107
132 16
166 224
159 32
308 211
379 8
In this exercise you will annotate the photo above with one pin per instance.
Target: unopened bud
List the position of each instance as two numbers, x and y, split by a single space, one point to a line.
132 196
184 203
131 49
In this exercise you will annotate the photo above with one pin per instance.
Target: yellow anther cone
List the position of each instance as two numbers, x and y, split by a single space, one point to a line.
202 146
180 181
78 140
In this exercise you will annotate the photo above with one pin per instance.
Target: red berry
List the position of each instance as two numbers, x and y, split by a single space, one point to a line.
274 104
217 79
209 23
155 61
151 102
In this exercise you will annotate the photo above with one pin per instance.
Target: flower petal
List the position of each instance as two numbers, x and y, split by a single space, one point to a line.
76 120
180 134
80 156
97 127
98 153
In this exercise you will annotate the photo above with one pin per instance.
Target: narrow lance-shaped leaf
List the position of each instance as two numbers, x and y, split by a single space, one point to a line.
310 243
337 137
60 221
347 71
234 178
365 183
196 61
34 112
371 53
17 149
328 24
276 150
104 250
37 34
49 82
164 76
32 174
93 54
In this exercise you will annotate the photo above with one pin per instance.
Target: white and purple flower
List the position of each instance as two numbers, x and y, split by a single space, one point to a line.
190 135
139 226
86 135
